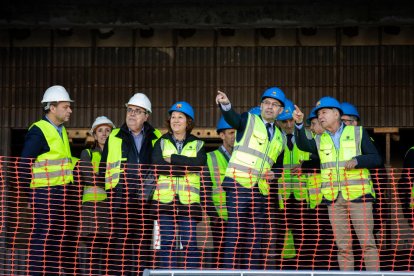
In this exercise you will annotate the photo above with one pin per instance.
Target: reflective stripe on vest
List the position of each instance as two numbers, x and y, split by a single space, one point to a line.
94 193
253 156
188 186
291 183
113 162
54 167
314 187
217 165
352 183
289 250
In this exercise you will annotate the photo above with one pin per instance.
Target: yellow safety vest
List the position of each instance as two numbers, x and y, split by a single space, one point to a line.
289 250
254 155
94 193
217 165
351 183
54 167
314 184
188 186
314 187
114 160
291 183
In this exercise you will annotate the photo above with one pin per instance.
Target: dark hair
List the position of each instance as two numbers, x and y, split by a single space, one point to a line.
46 111
189 128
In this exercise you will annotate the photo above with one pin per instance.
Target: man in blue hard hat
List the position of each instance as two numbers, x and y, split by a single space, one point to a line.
217 162
350 116
248 176
346 154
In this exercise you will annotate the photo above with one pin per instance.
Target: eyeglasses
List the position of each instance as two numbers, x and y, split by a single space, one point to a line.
349 121
135 111
274 104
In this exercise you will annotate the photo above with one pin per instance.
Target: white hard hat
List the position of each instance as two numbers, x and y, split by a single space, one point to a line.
141 100
56 93
101 120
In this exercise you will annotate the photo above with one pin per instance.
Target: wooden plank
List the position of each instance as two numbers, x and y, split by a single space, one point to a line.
386 130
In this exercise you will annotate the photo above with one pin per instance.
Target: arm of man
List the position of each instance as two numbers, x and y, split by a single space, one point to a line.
302 141
34 145
370 157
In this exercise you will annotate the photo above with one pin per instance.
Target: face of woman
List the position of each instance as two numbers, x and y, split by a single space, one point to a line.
178 122
101 134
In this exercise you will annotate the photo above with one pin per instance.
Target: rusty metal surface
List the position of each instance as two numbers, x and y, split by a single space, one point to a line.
377 79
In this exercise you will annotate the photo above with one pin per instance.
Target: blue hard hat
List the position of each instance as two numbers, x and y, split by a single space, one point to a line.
312 115
287 111
183 107
328 102
255 110
222 125
274 93
350 110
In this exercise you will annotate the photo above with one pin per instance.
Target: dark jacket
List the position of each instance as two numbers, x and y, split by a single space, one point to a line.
179 164
137 167
239 122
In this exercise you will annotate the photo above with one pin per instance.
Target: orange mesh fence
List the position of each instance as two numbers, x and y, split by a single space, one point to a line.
159 217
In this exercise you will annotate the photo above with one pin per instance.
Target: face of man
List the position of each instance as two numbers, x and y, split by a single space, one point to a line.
349 120
136 117
288 126
316 127
329 118
270 109
228 136
60 113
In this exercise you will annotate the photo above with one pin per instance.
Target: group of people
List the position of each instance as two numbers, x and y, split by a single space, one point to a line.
134 175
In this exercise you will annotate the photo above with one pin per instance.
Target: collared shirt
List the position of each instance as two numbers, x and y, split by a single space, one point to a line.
138 138
223 149
58 128
337 135
271 129
293 136
179 144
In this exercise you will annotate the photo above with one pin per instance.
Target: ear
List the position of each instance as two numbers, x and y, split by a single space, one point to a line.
281 110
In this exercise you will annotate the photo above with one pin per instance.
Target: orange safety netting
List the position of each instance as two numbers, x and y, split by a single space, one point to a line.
152 219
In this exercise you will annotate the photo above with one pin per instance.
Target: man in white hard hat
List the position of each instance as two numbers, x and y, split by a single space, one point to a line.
126 157
51 250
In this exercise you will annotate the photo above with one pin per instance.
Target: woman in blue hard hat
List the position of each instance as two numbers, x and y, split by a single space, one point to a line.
94 223
176 199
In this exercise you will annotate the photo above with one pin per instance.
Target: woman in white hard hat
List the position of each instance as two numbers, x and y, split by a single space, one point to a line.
180 157
94 218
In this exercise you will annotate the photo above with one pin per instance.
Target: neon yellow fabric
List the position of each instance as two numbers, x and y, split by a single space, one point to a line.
254 155
114 160
289 250
290 183
188 186
54 167
217 165
94 193
352 183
